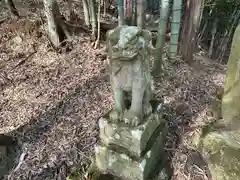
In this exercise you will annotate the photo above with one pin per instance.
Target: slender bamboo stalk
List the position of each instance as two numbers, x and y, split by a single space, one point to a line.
157 66
105 5
134 12
86 12
175 27
98 28
93 18
120 12
214 31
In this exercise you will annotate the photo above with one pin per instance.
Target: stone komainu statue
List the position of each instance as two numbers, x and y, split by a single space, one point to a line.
129 49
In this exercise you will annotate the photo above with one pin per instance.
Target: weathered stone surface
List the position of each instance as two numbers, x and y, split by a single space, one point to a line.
221 143
231 96
132 140
163 175
223 159
3 163
133 132
129 49
123 166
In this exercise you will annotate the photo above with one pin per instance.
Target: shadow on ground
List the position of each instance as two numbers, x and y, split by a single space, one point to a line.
40 132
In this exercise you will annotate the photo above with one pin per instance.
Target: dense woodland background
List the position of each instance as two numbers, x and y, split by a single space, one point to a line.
54 82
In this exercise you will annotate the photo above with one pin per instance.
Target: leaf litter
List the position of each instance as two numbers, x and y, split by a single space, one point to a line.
51 103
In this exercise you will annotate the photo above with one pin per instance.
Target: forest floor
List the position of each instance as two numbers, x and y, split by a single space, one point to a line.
51 100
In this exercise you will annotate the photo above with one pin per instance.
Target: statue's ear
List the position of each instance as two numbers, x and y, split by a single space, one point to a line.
113 35
147 35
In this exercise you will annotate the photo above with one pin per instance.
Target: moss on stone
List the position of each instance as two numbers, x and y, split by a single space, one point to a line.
220 141
76 176
223 159
231 96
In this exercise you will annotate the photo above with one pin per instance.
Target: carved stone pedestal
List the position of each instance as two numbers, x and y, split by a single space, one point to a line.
131 153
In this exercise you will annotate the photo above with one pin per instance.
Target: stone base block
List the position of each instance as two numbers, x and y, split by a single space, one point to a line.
123 166
132 141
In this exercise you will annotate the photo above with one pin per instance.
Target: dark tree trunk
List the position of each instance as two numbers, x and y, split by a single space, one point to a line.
57 30
192 16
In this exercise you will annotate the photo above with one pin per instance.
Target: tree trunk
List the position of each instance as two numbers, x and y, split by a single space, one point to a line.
93 18
188 44
141 13
12 8
86 12
227 37
202 33
175 27
185 22
120 12
105 5
56 30
98 27
134 12
125 9
128 11
157 66
214 31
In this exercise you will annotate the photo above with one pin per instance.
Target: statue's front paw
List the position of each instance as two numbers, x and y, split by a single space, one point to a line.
132 118
114 116
147 109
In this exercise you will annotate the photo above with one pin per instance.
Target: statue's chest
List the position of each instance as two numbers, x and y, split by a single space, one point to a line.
125 77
